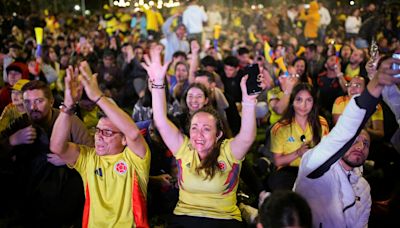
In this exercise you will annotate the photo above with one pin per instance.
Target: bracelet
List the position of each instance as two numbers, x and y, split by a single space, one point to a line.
67 110
249 103
154 86
98 99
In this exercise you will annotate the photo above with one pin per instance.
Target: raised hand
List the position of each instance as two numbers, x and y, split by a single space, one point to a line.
246 97
23 136
288 83
372 66
89 81
195 47
73 87
152 64
385 75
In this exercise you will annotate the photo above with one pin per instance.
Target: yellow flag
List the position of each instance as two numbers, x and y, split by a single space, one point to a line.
281 64
39 35
268 53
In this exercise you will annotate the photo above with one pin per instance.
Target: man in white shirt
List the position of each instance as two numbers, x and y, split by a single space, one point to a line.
324 21
193 18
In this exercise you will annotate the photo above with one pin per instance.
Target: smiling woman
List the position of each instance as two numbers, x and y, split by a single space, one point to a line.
208 165
299 129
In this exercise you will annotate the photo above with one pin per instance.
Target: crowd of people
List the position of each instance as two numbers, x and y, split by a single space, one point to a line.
142 117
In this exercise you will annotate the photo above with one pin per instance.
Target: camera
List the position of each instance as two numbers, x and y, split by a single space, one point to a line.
396 66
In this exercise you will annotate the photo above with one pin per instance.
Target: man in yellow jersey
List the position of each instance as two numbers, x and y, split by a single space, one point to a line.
115 172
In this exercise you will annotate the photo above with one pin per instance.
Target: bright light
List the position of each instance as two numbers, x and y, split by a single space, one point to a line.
77 7
151 3
260 6
87 12
352 3
116 3
253 7
141 2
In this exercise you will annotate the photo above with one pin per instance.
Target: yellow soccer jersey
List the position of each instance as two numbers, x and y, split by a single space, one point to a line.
342 101
115 188
274 93
285 139
350 73
212 198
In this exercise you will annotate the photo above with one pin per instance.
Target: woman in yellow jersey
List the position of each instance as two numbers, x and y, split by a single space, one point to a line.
300 128
208 165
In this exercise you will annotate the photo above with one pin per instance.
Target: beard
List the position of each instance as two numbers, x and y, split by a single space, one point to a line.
36 115
353 163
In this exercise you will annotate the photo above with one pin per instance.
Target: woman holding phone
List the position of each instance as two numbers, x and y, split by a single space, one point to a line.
299 129
208 164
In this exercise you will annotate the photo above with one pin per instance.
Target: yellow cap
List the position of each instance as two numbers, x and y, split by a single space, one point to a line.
19 84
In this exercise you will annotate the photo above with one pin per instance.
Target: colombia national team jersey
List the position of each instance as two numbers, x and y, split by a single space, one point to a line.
115 188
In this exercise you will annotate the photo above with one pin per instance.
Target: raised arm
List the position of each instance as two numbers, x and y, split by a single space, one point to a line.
171 135
118 117
339 140
194 61
245 138
166 28
59 144
287 84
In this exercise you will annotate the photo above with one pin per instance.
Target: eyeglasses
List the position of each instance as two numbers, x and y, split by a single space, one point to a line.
356 85
106 132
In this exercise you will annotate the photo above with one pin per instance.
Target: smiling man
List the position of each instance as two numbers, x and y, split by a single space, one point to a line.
115 172
330 174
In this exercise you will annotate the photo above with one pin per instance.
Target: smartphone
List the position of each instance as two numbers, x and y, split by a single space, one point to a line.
253 84
374 50
396 66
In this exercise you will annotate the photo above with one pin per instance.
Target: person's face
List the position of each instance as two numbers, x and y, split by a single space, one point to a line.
356 57
309 54
13 77
300 67
53 55
108 61
16 98
37 105
346 52
358 152
230 71
195 99
331 63
108 139
181 73
32 68
244 59
138 52
303 103
14 52
62 43
204 81
203 133
180 32
356 86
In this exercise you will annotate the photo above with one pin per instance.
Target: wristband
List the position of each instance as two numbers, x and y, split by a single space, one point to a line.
249 103
67 110
98 99
154 86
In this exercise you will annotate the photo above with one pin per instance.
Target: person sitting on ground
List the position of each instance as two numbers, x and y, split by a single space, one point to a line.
208 166
331 171
120 159
299 129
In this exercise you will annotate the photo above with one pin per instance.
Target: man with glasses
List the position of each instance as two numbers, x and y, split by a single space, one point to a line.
330 174
46 192
115 172
356 86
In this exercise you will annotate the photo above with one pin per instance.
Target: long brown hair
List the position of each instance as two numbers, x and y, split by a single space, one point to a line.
313 116
210 163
